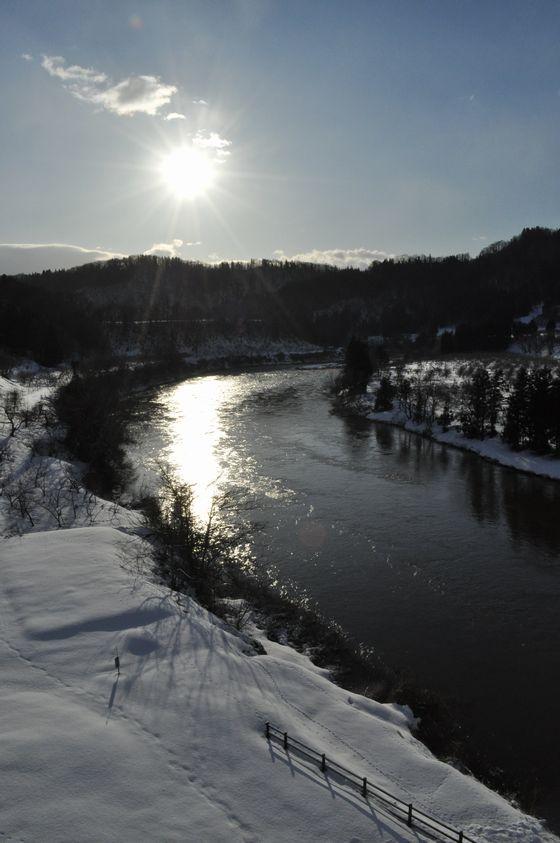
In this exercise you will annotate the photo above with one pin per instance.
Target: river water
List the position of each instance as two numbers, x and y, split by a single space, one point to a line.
448 565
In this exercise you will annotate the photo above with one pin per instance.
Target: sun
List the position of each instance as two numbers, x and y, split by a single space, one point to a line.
188 172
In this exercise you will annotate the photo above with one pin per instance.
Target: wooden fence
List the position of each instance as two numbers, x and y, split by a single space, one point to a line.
403 811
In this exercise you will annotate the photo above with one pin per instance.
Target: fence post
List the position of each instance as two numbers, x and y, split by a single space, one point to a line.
460 837
285 740
267 727
409 818
323 763
364 786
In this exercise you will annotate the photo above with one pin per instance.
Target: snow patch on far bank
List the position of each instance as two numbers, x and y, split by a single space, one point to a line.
491 449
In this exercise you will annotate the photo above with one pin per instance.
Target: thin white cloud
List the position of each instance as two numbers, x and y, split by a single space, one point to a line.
210 141
16 258
200 102
26 56
133 95
357 258
166 250
214 143
56 66
174 115
137 94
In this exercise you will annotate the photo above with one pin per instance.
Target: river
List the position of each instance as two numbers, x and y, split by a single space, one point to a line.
446 564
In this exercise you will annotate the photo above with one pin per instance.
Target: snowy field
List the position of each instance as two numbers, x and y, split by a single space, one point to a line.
219 347
173 749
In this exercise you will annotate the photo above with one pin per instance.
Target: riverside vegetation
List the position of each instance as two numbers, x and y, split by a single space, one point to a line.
519 404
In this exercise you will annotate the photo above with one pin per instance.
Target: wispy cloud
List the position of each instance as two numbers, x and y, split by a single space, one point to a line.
56 66
35 257
16 258
174 115
358 258
132 95
199 102
167 250
26 56
214 142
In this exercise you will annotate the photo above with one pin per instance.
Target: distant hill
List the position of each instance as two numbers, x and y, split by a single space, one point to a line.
318 303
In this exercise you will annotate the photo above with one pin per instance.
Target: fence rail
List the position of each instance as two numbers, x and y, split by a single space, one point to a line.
404 811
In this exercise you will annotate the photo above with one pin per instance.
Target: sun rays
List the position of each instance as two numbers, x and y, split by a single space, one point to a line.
188 172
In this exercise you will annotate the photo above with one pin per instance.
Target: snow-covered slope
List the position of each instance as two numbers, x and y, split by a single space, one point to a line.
173 749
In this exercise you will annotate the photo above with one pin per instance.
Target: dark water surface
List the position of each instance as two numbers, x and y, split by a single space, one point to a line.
448 565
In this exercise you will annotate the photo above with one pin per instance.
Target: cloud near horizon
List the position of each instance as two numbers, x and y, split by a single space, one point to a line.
132 95
357 258
16 258
167 250
22 258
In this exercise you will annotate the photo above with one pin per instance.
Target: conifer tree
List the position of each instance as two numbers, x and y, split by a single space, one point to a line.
385 394
446 417
474 412
495 400
539 420
404 392
515 425
554 408
357 364
419 403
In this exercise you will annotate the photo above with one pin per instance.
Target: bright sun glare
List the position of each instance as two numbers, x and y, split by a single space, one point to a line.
188 172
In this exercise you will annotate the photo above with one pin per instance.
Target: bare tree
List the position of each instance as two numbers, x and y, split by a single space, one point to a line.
190 553
19 495
13 410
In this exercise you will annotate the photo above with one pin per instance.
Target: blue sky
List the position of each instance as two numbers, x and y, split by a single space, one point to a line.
334 130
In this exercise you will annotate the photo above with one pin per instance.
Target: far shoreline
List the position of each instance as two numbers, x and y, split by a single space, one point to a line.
492 449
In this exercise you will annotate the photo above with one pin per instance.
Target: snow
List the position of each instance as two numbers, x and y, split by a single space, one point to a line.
534 313
451 374
173 748
220 348
492 449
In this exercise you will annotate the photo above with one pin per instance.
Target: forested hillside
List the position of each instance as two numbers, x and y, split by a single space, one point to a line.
85 307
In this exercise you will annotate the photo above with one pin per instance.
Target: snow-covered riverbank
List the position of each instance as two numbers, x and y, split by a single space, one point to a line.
435 382
491 449
221 349
173 749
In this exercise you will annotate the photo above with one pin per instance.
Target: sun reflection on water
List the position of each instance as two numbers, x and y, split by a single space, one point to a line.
195 432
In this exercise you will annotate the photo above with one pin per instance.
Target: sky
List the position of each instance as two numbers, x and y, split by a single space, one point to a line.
331 131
